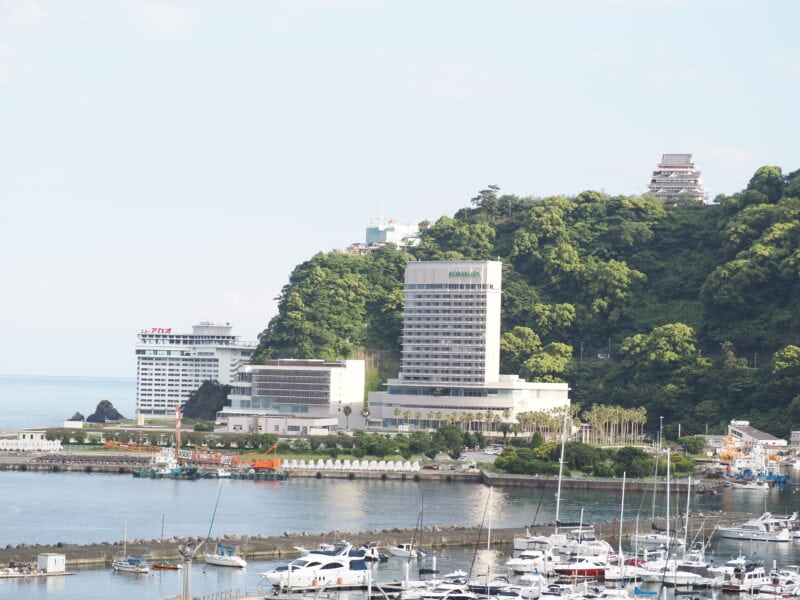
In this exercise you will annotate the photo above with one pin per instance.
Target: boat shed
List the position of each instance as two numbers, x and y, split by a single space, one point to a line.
748 437
52 563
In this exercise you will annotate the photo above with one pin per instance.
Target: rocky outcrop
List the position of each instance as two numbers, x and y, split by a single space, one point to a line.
104 412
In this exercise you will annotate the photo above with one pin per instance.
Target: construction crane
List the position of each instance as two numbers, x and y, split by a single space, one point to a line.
268 463
131 446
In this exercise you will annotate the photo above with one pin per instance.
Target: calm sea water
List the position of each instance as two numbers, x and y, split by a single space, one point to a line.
35 401
47 508
51 507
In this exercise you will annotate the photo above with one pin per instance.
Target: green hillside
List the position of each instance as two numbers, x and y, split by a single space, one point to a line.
690 311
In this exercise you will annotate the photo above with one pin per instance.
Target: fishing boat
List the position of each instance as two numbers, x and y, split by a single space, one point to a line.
164 465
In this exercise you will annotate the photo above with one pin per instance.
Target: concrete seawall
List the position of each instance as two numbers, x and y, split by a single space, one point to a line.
270 547
125 465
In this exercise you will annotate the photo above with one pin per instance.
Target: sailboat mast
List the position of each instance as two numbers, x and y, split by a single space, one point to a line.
621 515
561 465
686 522
489 533
668 544
178 434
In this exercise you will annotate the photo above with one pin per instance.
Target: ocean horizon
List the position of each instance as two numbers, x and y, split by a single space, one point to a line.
49 400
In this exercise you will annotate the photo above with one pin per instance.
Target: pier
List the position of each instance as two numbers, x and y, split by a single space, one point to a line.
123 464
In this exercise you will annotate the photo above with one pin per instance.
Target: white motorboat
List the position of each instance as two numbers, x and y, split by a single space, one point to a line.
757 485
334 570
560 590
130 564
672 575
527 561
321 547
372 552
749 579
765 528
224 556
407 551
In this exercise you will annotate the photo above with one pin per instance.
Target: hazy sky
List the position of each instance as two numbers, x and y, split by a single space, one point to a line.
163 163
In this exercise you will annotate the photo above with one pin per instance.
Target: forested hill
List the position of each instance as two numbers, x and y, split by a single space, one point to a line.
690 311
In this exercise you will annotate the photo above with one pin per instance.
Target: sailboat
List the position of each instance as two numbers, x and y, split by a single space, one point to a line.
529 542
165 565
659 538
129 564
223 554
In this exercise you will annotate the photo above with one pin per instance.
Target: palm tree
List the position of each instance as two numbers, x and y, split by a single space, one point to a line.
347 409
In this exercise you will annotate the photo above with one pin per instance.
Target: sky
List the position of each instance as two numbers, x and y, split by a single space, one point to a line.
164 163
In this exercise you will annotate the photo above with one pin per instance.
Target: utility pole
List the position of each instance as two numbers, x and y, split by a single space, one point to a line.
660 433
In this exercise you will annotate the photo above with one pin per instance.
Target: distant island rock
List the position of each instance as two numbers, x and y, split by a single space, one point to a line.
104 412
77 417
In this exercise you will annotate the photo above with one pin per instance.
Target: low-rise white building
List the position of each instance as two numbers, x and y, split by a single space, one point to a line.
30 441
296 397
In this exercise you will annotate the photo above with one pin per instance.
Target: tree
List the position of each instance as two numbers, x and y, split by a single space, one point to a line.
663 347
769 181
517 346
347 410
549 364
693 444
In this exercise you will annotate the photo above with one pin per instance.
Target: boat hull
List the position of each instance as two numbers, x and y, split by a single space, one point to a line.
224 560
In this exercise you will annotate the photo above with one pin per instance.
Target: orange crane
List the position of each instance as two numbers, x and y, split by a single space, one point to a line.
268 463
131 446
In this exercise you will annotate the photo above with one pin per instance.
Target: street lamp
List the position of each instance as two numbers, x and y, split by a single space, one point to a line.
660 432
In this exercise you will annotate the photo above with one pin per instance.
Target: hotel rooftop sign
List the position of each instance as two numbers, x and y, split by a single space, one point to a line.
464 274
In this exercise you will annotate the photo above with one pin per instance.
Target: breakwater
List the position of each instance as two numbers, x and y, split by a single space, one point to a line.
263 547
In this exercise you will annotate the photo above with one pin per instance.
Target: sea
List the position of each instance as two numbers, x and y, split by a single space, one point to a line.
41 401
77 508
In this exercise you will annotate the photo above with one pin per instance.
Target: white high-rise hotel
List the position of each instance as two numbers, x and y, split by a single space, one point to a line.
170 365
451 351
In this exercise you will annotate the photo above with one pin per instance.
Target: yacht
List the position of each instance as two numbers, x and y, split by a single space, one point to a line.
407 551
766 528
528 561
749 579
330 570
224 556
130 564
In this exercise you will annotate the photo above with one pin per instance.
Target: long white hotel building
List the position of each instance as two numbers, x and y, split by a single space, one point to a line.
170 366
451 351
